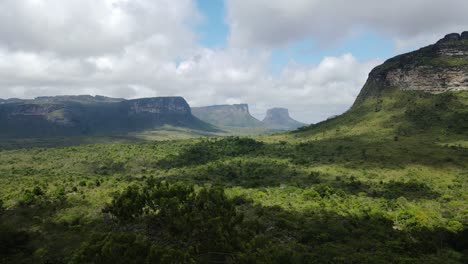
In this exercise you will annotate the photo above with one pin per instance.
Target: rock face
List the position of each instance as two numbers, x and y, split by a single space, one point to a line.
159 105
236 115
278 118
87 115
35 109
436 68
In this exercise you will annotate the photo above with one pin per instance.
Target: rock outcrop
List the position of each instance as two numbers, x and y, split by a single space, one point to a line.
436 68
159 105
278 118
236 115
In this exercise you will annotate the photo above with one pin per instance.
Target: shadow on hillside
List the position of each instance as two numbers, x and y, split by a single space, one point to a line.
324 184
326 237
367 152
268 234
52 142
356 151
34 234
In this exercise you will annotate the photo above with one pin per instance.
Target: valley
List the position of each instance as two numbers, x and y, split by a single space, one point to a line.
385 182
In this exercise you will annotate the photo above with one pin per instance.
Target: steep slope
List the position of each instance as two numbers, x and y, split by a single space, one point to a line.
278 118
436 68
236 115
422 93
73 116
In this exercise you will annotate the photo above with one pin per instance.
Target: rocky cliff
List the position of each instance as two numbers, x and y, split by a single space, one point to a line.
236 115
85 115
436 68
278 118
159 105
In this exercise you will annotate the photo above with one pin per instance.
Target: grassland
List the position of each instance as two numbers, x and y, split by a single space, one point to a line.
384 183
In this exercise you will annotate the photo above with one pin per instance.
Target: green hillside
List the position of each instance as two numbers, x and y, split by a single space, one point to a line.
384 183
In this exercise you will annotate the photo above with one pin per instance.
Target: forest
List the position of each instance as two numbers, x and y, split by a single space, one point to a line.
357 188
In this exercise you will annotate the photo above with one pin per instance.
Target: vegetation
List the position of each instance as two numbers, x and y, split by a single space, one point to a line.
384 183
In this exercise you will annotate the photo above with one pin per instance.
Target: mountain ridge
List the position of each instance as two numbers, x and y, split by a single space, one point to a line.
68 116
436 68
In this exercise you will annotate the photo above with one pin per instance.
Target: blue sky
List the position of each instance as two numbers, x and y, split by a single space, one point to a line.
213 30
311 57
364 45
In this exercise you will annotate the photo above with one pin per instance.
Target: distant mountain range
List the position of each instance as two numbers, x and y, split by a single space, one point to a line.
86 115
93 115
238 116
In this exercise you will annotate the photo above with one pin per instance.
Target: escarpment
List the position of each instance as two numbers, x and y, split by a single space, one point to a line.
437 68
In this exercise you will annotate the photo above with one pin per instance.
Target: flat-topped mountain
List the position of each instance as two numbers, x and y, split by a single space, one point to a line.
87 115
236 115
278 118
437 68
79 99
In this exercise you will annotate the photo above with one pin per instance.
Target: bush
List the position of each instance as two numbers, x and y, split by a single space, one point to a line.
206 219
27 198
38 191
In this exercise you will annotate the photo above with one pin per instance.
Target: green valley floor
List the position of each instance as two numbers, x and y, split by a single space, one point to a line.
384 183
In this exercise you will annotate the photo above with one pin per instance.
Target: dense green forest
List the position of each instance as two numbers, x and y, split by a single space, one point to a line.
384 183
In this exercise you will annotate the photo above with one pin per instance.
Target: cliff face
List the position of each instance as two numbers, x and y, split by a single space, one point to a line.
35 109
436 68
237 115
159 105
86 115
278 118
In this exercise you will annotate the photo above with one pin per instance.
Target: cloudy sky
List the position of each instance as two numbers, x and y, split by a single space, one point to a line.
311 56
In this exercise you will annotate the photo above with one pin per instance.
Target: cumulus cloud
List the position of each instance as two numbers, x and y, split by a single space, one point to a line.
208 77
267 23
143 48
89 27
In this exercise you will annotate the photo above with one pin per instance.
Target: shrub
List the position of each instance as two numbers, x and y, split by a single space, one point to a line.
38 191
206 219
27 198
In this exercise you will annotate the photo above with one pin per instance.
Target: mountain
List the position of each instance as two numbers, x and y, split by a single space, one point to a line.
385 182
278 118
87 115
79 99
437 68
236 115
423 93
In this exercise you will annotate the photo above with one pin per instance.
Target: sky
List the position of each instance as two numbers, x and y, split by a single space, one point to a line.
310 56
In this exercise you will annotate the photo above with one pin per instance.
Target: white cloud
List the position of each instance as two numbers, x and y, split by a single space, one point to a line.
208 77
89 27
142 48
272 23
